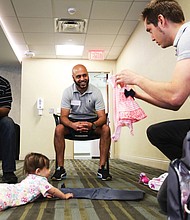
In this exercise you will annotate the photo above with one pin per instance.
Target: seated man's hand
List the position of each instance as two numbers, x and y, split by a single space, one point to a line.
82 126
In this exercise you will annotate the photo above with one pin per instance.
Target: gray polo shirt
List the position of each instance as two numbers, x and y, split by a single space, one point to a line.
182 42
82 106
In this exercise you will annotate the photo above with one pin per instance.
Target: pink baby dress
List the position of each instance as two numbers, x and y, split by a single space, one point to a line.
125 109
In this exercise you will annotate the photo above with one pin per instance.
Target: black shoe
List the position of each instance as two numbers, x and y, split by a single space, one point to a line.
103 174
59 174
9 177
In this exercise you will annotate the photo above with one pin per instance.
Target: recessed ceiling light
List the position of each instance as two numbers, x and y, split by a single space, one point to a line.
69 50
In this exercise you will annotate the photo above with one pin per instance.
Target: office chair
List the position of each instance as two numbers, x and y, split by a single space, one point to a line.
80 137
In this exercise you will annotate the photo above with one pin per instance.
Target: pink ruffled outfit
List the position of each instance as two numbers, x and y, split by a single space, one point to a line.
126 110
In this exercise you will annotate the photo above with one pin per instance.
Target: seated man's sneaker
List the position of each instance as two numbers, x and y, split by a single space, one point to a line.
103 174
59 174
9 177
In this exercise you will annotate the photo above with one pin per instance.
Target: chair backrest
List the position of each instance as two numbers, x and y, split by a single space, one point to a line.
57 119
84 136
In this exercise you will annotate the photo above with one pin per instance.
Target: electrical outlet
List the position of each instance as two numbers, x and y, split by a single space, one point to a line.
51 110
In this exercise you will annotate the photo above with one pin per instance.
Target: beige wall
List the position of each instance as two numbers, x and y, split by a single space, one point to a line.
47 79
146 58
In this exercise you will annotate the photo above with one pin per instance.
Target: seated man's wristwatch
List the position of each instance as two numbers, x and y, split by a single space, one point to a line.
93 126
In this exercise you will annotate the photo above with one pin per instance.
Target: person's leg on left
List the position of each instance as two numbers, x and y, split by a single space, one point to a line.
8 149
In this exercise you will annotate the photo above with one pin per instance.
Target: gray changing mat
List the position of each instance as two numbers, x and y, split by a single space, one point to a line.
104 193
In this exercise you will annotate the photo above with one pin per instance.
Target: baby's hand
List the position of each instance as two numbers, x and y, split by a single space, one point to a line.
49 196
68 195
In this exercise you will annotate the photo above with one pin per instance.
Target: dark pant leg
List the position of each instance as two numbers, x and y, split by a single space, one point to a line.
168 136
8 144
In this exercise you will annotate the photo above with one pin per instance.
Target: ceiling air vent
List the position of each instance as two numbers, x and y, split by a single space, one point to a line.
70 25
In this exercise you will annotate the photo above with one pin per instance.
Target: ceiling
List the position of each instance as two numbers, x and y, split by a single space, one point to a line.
30 24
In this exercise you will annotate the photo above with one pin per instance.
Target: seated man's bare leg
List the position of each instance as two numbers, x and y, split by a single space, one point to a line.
105 142
59 145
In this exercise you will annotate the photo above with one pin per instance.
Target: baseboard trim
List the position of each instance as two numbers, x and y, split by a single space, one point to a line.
152 162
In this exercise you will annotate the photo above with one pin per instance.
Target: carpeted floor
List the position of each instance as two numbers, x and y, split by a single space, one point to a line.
82 174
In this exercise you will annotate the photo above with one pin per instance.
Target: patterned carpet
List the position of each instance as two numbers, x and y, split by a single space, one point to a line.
82 174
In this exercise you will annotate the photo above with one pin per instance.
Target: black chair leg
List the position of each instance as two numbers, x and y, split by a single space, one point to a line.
107 166
56 164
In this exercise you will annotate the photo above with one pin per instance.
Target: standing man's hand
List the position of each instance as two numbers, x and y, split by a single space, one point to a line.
127 77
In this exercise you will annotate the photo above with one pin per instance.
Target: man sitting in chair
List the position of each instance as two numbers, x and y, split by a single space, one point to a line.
82 111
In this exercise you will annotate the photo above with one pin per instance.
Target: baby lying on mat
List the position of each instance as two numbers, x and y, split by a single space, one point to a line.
36 166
